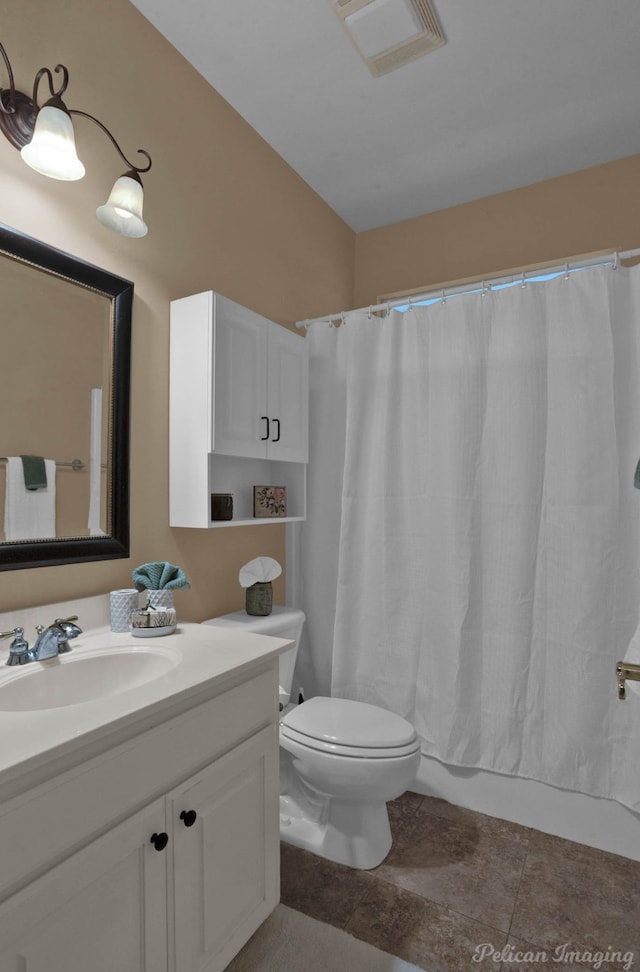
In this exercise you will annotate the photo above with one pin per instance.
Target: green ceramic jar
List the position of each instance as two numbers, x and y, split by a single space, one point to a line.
259 599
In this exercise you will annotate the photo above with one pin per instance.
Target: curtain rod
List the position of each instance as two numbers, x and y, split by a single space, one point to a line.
466 285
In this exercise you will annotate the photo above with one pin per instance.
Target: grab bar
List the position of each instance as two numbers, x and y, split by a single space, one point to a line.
626 670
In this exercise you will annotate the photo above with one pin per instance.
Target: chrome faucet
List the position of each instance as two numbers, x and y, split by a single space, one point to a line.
53 640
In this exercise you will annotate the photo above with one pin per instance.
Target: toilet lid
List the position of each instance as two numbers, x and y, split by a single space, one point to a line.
343 722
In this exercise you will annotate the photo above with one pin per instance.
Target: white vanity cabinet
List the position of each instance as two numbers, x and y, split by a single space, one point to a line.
104 908
160 854
238 410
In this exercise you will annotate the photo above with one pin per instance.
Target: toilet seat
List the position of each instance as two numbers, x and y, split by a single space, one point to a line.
350 729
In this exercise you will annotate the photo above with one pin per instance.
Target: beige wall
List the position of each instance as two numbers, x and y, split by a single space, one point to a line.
595 209
224 213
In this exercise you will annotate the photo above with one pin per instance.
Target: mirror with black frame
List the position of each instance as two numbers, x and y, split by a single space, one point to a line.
65 340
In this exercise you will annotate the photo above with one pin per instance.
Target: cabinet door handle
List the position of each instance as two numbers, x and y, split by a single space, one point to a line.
277 438
265 418
160 840
188 817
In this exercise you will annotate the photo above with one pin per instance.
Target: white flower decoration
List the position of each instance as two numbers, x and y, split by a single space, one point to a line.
259 571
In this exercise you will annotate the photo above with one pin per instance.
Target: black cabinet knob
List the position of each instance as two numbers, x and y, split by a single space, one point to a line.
160 840
188 817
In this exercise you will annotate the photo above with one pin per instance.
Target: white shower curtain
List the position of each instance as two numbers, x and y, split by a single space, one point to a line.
471 559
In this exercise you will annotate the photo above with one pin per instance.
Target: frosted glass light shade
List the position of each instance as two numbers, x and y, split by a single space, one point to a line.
52 149
123 210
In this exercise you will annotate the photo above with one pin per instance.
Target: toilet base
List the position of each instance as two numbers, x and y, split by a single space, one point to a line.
354 834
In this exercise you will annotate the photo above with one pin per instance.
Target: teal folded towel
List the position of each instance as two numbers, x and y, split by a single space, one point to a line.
35 474
159 576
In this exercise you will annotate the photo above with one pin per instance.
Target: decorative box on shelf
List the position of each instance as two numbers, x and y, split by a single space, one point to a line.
269 501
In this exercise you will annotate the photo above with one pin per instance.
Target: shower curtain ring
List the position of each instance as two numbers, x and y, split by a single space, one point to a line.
444 299
566 271
524 282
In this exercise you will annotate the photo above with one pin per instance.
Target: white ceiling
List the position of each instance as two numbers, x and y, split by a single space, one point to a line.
523 90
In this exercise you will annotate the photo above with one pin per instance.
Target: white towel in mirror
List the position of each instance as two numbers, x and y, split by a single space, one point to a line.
29 514
95 464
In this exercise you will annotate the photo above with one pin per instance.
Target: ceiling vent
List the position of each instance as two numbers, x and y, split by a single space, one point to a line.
390 33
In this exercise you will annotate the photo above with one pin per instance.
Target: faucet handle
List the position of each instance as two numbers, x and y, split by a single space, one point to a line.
61 622
68 629
19 652
58 623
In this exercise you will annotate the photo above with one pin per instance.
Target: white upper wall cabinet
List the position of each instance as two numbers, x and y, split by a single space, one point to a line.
239 411
260 390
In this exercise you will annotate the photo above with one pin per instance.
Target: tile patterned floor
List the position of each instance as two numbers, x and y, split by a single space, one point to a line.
455 880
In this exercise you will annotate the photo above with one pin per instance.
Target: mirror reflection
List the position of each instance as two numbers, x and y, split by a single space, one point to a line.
55 402
64 406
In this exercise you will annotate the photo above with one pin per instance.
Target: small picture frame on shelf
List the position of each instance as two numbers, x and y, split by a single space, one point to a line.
269 501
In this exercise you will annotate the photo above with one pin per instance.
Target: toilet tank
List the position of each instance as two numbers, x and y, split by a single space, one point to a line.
283 622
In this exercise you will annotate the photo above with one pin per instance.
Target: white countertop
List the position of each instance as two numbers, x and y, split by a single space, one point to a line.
208 654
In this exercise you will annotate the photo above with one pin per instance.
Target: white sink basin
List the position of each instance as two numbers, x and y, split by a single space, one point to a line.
71 679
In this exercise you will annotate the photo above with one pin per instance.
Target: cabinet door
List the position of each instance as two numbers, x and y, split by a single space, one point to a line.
227 862
104 908
288 396
240 422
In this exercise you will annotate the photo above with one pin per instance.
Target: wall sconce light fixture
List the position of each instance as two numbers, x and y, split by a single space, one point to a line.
44 135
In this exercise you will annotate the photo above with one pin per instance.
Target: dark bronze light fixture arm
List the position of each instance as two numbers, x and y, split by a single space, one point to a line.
7 109
134 168
17 110
55 95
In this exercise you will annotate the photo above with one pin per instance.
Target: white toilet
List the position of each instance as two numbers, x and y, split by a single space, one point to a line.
340 760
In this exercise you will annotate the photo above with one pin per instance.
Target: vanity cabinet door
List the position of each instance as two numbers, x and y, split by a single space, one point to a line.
225 854
103 909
